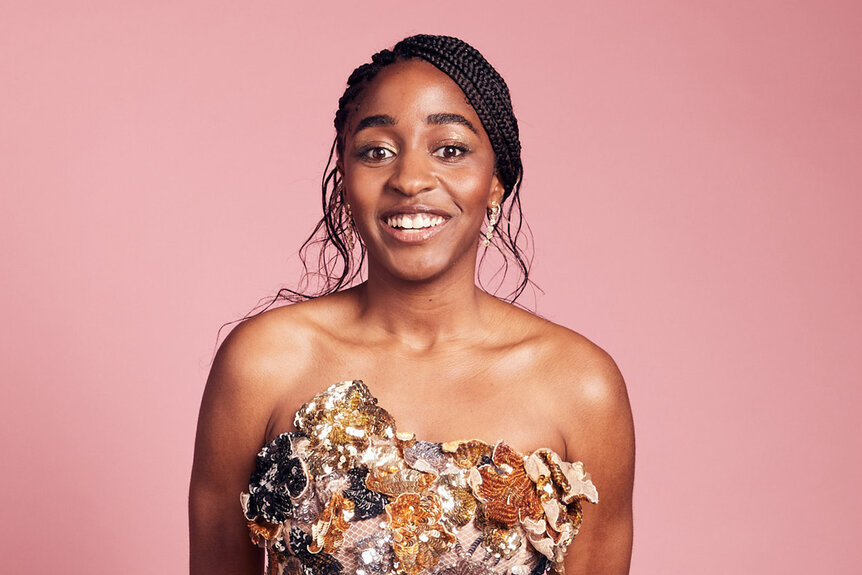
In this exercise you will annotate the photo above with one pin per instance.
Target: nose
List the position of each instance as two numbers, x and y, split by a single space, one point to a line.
412 173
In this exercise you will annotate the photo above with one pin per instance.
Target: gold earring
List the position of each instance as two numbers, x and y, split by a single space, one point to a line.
349 226
492 221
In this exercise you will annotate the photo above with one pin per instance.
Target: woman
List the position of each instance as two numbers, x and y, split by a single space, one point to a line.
406 472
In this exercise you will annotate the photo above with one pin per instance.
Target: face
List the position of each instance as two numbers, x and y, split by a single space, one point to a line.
418 172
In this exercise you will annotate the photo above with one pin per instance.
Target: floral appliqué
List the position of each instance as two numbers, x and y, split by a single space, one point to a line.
348 493
418 537
541 494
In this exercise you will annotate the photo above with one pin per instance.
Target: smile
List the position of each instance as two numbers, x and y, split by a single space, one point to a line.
414 221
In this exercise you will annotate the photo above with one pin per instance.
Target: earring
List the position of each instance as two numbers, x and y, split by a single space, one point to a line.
492 221
349 226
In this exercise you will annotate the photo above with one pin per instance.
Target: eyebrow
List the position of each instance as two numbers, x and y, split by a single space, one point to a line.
433 119
439 119
371 121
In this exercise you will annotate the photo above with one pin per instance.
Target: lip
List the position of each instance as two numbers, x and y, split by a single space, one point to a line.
415 236
414 209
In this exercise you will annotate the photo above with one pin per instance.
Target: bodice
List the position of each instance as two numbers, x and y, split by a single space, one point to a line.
348 493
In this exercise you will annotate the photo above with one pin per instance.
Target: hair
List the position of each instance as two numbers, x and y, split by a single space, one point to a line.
339 262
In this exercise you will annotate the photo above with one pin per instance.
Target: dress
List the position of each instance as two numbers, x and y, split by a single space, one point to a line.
347 493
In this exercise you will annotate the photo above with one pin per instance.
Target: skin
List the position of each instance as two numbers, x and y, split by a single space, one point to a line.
447 360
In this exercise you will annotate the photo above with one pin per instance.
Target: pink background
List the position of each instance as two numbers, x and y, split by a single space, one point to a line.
692 180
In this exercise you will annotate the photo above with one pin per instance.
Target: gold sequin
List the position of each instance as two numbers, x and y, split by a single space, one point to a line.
571 482
340 423
502 541
419 539
467 453
561 487
327 533
261 531
357 465
398 479
576 515
389 473
405 438
508 494
466 566
456 500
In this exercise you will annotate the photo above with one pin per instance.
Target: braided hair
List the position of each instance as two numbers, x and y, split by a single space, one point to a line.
339 264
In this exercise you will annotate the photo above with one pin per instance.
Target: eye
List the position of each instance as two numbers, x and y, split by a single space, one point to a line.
450 152
376 153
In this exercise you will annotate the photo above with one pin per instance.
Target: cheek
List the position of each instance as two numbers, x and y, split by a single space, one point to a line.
359 185
472 181
471 189
362 198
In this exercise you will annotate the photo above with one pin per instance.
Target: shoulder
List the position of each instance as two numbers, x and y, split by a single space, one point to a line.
571 364
262 359
257 345
587 390
265 356
251 370
584 372
284 336
594 412
578 387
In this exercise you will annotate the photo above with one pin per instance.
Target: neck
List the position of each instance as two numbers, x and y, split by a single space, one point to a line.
423 314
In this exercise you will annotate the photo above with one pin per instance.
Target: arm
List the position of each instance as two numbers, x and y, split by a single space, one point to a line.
602 436
231 430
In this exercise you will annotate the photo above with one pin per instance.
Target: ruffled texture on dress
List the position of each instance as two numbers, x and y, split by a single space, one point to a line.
347 493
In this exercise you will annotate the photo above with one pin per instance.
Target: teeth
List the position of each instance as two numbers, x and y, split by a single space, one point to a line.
414 221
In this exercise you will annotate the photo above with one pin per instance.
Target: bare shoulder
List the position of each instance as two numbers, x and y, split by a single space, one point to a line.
250 372
580 382
595 419
571 365
262 359
258 347
278 346
583 371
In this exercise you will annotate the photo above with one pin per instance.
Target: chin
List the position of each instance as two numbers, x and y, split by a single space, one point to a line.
421 270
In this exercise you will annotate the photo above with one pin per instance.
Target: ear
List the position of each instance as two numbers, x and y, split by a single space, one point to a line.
497 190
339 168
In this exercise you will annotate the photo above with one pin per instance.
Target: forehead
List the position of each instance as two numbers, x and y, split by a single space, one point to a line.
411 89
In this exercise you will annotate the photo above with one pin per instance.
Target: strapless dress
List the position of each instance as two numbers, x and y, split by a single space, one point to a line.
347 493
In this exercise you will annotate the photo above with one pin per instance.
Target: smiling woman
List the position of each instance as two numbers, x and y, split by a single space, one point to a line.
300 468
415 153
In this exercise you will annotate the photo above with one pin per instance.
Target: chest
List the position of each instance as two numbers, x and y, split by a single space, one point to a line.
446 396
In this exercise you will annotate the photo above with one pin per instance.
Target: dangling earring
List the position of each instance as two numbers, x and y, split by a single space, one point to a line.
349 225
492 221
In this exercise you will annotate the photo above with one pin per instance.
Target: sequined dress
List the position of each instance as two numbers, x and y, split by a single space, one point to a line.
347 493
